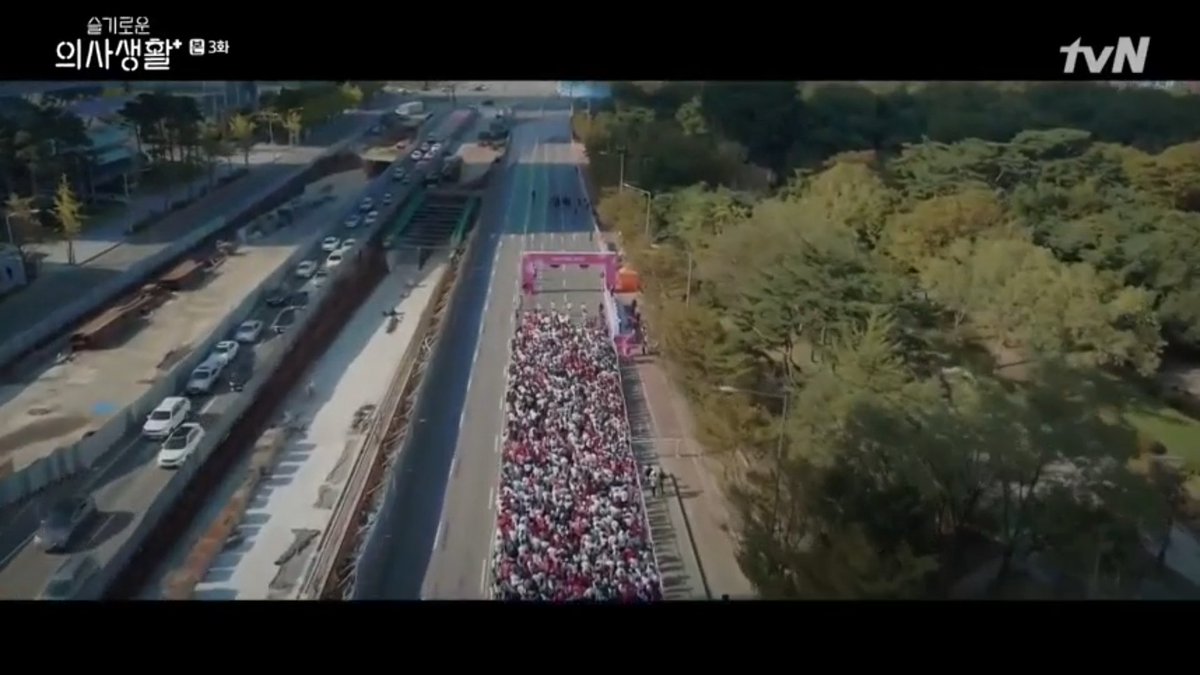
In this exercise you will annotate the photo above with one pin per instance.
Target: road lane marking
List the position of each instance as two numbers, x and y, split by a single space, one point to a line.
483 577
491 498
437 541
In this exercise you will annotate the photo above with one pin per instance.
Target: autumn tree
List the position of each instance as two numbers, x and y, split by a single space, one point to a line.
69 213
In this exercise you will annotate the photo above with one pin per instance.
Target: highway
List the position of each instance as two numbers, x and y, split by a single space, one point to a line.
433 536
124 490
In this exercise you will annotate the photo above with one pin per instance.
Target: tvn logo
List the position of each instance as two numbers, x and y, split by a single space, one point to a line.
1127 56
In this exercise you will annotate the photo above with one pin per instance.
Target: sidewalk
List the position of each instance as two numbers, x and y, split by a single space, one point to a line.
696 505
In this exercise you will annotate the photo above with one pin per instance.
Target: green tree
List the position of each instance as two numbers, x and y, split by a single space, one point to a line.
69 212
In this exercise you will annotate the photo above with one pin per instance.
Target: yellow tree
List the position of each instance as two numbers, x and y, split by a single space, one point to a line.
294 124
241 130
70 215
21 220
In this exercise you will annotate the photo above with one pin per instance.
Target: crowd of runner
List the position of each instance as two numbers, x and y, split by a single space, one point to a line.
570 524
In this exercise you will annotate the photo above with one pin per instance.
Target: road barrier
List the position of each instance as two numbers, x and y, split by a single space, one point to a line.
370 462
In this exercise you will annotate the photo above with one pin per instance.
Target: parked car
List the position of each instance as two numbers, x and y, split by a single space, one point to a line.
180 445
416 154
387 198
71 578
353 220
306 269
226 351
398 174
249 331
167 415
372 216
348 244
366 204
330 244
63 523
284 320
300 298
333 260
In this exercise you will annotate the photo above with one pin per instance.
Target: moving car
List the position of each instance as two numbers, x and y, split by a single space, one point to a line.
416 154
366 204
63 522
249 332
180 445
306 269
372 216
481 87
225 351
387 198
71 578
329 244
348 244
204 377
334 259
353 220
398 174
166 416
425 146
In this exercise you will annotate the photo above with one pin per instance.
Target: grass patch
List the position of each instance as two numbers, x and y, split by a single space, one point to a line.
1179 433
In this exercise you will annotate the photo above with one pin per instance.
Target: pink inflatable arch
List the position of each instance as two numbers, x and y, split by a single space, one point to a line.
531 262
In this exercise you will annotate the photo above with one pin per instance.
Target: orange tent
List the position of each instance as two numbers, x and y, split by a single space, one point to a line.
628 281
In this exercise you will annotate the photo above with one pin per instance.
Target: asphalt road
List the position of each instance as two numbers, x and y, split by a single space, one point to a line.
433 535
126 489
55 289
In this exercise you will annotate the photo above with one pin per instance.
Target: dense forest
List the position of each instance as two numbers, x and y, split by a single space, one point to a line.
965 294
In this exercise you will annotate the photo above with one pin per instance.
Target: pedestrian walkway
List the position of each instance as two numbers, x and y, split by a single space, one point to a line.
694 502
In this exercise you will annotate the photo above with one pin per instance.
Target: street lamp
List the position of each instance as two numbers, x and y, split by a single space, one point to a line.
649 200
786 397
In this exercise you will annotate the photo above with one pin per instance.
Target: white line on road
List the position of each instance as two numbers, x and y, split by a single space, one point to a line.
483 577
499 441
491 498
437 541
208 405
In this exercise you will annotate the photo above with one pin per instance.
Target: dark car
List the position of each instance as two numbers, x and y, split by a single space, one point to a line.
239 375
64 521
489 102
277 297
71 579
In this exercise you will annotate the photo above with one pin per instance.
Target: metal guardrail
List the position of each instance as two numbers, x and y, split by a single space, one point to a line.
325 558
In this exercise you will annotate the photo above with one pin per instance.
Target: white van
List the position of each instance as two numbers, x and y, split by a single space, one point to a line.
166 417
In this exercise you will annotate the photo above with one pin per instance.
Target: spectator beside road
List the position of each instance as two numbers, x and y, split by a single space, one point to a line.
571 525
